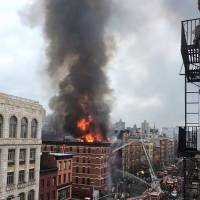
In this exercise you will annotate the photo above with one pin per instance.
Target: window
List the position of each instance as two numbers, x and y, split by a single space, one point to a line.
65 178
22 156
83 159
24 128
53 195
69 177
70 148
42 183
77 149
88 170
48 196
21 178
32 155
69 165
64 193
34 126
77 159
88 181
77 169
89 150
84 150
48 182
83 180
1 126
31 174
31 195
11 157
10 178
77 180
54 181
60 165
59 179
83 170
41 197
22 196
13 127
65 165
88 160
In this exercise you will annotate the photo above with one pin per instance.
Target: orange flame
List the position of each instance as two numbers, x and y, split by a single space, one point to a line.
84 124
89 137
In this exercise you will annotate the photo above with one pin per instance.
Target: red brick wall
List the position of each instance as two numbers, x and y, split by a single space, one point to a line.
64 174
45 188
94 158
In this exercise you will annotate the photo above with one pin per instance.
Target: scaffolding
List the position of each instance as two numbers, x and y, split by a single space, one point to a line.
188 135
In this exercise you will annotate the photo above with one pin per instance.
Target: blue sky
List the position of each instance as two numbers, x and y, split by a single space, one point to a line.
143 71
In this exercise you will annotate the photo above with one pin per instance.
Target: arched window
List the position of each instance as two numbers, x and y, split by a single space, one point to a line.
13 127
31 195
1 126
24 128
34 127
22 196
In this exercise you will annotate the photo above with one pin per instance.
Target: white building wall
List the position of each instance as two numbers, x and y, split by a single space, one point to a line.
19 107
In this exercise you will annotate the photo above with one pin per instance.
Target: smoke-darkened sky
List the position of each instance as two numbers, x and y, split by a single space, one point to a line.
143 71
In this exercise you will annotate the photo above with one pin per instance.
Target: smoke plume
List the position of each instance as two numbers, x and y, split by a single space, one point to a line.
77 54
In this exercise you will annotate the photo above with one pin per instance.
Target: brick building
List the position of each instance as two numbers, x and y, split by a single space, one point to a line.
156 155
167 150
132 154
59 178
90 165
48 187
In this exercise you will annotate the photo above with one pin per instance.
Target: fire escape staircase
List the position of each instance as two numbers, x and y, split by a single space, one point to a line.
188 135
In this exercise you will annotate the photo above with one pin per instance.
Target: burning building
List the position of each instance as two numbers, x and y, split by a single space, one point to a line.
90 165
77 52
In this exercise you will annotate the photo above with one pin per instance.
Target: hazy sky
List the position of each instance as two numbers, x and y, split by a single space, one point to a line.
143 71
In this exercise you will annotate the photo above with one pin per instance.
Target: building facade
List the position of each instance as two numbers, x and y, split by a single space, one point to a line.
20 147
59 180
145 128
90 165
132 154
119 126
48 178
167 150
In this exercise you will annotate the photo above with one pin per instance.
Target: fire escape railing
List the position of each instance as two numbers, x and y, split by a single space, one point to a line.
188 140
190 35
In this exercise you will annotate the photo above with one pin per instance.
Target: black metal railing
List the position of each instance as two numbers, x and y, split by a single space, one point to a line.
188 140
190 45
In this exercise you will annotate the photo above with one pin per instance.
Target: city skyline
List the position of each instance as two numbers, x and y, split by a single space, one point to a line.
159 99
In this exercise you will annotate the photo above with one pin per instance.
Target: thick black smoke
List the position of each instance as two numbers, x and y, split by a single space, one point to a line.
75 33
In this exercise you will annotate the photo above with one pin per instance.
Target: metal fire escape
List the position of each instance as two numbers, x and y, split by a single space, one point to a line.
188 135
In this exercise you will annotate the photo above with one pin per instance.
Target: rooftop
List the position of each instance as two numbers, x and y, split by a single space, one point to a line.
85 144
60 154
45 169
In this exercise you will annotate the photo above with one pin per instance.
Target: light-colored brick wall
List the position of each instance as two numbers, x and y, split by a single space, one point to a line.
19 107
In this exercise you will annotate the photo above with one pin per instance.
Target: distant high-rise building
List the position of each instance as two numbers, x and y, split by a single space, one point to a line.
118 126
145 129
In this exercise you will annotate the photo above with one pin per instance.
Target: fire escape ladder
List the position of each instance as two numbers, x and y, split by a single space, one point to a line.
188 135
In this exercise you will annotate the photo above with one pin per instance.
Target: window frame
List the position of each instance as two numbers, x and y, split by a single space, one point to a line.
10 178
24 128
34 128
21 181
1 125
13 127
